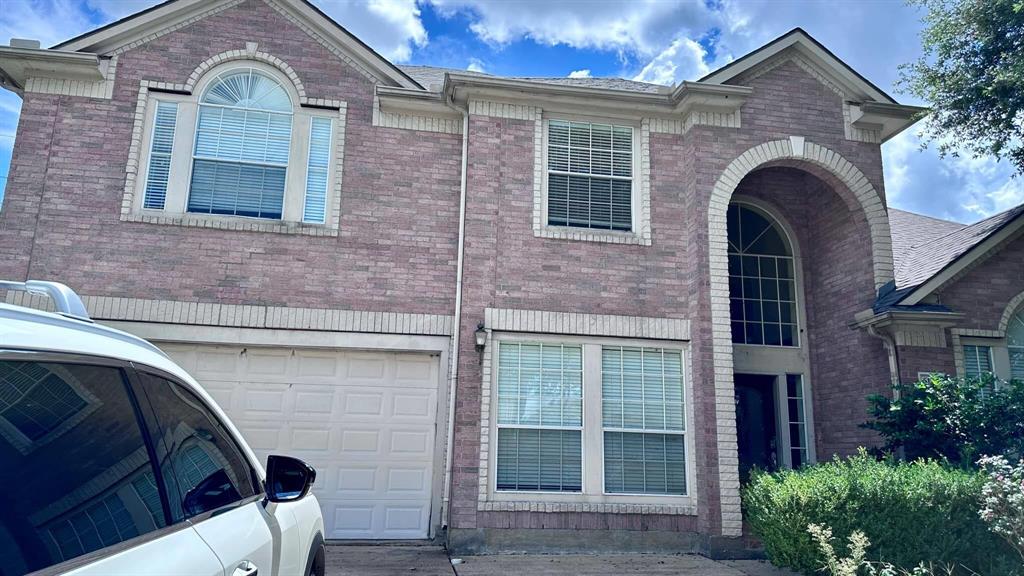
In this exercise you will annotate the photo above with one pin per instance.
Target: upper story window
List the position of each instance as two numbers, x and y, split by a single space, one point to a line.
241 146
590 169
590 175
243 139
762 280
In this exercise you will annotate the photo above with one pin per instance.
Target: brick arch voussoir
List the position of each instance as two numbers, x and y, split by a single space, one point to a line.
237 55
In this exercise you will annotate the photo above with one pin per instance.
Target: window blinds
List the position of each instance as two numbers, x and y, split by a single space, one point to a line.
160 155
590 175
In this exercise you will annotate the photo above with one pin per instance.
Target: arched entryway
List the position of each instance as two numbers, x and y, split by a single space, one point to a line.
859 196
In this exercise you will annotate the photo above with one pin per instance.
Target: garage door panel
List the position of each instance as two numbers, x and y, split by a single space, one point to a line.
365 420
376 519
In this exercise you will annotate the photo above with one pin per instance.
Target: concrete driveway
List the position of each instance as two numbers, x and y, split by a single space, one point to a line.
381 560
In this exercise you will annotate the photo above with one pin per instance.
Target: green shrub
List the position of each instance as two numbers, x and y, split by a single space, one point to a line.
956 419
911 512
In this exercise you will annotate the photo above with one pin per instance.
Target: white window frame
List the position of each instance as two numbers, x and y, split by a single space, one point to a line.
593 492
175 209
640 226
999 355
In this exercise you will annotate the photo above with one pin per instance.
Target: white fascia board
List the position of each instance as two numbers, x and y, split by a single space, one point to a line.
131 28
958 265
170 13
20 64
807 47
461 88
414 101
888 119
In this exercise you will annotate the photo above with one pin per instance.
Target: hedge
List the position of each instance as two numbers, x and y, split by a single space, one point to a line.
913 512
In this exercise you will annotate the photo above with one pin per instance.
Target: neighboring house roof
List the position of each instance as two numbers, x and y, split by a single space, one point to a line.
910 230
926 249
432 78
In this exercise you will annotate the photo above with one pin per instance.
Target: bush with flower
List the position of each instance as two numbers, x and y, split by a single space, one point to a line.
1002 498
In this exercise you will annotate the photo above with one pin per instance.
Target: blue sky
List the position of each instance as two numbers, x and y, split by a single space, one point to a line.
662 41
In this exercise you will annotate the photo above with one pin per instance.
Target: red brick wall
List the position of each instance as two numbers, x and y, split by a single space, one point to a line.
982 296
396 250
985 291
506 266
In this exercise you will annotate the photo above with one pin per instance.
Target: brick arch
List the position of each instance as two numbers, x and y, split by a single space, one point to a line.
1015 303
795 152
247 54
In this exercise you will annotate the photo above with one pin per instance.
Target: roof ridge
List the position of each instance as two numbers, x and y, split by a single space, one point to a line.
918 214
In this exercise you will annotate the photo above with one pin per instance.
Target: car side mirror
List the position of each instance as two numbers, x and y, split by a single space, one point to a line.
288 479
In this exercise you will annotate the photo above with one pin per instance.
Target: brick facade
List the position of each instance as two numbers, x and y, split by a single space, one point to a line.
396 250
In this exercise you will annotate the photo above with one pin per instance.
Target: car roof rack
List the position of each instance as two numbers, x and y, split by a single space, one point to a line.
65 300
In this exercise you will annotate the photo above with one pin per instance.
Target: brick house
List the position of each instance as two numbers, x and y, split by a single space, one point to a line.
508 312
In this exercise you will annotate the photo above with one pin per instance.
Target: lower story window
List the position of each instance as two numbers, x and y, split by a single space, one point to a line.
630 440
977 360
540 417
797 420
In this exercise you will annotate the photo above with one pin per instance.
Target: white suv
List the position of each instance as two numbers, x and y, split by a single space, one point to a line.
114 461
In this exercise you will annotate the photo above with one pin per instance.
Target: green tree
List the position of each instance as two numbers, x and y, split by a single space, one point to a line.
972 74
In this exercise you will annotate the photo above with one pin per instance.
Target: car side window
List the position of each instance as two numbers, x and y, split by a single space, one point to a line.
75 471
204 467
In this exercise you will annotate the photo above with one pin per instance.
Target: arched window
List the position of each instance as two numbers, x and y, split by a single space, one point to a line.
243 138
762 281
1015 344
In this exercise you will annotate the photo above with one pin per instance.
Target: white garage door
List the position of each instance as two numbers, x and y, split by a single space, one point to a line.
364 420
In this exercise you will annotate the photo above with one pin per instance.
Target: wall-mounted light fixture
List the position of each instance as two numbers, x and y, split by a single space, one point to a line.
481 337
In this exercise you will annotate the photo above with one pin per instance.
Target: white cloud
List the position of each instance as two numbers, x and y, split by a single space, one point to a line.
49 21
585 73
476 65
896 155
682 60
641 26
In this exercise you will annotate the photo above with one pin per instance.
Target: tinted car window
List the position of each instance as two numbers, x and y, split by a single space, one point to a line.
204 467
75 474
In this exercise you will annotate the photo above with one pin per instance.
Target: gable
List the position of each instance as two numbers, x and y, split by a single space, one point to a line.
799 45
145 26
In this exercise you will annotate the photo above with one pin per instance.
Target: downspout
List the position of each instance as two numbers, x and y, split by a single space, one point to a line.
894 357
453 372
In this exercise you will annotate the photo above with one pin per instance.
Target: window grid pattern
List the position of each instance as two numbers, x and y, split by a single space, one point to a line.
315 209
243 138
160 155
540 417
590 175
104 524
977 360
35 400
643 421
797 420
762 281
1015 345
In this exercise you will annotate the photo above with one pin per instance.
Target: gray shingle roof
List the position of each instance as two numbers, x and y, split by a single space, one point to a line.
431 77
923 246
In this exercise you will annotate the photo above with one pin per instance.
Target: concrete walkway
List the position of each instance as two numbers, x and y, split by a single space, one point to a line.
381 560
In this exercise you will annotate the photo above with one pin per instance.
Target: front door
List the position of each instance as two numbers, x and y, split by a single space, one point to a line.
755 423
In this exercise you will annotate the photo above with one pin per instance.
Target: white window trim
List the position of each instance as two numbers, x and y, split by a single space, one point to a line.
641 195
175 205
25 445
999 355
593 498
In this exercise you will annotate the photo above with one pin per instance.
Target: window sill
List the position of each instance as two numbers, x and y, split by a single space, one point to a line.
524 503
237 223
591 235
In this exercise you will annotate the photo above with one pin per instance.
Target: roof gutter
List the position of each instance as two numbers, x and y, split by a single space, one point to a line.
19 64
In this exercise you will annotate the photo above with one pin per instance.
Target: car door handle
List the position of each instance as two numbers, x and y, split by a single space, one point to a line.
245 568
